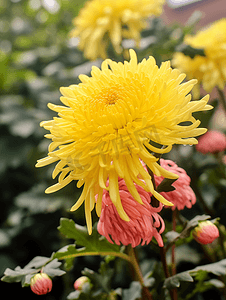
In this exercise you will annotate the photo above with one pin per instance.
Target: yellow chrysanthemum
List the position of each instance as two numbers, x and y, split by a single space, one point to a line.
105 129
114 19
210 70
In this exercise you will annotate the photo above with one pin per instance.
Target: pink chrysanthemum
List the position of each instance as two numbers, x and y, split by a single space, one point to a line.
80 282
205 233
41 284
183 194
144 219
211 142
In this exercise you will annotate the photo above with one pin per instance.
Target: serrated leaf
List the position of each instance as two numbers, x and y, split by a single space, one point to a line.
33 267
133 293
174 281
52 268
92 243
37 262
69 253
218 268
16 275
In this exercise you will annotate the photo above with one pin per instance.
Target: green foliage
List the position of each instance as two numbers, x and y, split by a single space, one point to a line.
173 236
39 263
166 185
190 51
133 293
218 268
89 244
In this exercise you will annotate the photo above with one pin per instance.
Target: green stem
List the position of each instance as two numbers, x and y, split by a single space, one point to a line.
165 268
118 254
135 264
173 246
146 295
131 258
174 271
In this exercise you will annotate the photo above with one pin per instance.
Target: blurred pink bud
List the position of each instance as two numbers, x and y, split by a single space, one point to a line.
145 222
41 284
79 283
211 142
183 194
205 233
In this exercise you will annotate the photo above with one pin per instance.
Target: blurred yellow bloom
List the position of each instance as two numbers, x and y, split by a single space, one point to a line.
105 129
210 70
101 20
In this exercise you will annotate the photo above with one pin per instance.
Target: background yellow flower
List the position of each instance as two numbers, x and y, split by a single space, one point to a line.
105 129
210 70
101 20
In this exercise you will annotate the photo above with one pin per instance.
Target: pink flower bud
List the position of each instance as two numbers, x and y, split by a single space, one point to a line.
205 233
211 142
79 283
41 284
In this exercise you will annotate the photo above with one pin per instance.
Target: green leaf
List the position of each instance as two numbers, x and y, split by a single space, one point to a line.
33 267
103 278
174 236
52 268
92 243
74 295
17 275
133 293
218 268
37 262
216 283
174 281
69 253
166 185
190 51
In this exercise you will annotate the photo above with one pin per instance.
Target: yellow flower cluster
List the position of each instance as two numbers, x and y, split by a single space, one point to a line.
210 70
100 20
109 123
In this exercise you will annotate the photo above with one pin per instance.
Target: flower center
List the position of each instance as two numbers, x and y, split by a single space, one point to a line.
108 96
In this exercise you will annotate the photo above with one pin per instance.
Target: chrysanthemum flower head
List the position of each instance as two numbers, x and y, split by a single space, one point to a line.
210 70
41 284
144 224
81 282
108 124
101 20
211 142
183 195
205 233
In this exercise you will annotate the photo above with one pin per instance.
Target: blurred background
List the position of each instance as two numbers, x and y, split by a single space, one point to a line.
37 57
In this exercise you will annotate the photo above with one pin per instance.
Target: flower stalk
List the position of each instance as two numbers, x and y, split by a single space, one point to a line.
146 295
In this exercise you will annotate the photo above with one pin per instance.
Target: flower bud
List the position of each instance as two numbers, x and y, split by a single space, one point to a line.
41 284
206 232
79 283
